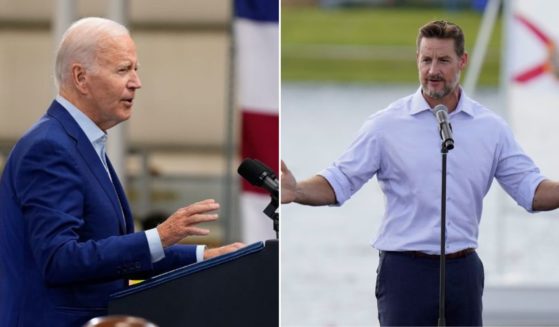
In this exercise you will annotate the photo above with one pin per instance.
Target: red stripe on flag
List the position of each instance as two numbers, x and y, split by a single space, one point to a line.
531 73
534 29
260 140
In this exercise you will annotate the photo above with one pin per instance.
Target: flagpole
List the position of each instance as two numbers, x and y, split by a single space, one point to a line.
231 224
480 49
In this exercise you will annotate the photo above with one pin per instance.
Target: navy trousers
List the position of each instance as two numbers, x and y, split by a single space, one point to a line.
407 290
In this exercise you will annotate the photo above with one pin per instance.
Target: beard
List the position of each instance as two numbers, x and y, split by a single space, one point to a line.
448 87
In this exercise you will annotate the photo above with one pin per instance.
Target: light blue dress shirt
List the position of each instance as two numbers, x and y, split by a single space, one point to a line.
98 139
401 146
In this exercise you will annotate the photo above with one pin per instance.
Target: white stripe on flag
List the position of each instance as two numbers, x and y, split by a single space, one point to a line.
258 65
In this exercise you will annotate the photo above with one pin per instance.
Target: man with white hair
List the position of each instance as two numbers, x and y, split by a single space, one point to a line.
66 230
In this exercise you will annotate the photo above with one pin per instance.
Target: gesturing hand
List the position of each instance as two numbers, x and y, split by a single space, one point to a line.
183 222
288 184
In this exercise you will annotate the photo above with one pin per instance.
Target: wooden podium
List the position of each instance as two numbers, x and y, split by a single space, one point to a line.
237 289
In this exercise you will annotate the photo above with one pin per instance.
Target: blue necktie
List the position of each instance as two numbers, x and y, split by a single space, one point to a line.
103 142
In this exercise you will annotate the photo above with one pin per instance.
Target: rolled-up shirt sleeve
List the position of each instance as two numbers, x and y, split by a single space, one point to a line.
357 165
516 172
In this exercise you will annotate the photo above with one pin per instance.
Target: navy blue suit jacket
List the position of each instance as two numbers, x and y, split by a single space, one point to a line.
64 244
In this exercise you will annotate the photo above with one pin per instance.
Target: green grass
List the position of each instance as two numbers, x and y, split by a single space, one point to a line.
368 45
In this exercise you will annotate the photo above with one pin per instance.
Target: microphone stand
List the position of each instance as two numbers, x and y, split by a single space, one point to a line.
445 147
442 268
445 131
271 211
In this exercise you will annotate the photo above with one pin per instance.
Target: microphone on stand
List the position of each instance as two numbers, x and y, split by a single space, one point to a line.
258 174
445 129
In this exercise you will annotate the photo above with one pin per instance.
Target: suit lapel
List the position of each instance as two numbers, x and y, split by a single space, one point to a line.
122 197
90 157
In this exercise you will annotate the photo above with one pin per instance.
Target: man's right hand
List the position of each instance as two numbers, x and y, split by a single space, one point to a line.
315 191
288 184
183 222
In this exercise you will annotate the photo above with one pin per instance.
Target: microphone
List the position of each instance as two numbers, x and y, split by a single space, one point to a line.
445 129
258 174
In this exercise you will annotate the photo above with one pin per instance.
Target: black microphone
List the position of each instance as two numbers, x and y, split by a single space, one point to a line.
258 174
445 129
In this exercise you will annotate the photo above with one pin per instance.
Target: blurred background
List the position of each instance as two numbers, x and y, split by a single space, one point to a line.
343 60
185 139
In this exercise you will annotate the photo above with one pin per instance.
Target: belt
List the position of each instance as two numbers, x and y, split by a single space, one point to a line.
455 255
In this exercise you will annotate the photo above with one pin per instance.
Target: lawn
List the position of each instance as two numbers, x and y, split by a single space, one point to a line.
368 44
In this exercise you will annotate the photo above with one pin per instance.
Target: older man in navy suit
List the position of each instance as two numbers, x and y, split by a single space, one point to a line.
66 230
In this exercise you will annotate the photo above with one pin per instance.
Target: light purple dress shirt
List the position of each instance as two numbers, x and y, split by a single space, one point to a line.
401 146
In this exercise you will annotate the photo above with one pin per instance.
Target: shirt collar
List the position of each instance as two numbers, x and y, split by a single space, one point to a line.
93 132
419 104
465 104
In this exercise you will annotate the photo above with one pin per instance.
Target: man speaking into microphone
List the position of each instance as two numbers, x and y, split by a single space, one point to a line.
401 145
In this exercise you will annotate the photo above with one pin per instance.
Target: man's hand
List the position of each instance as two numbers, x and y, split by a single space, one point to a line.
314 191
288 184
183 222
210 253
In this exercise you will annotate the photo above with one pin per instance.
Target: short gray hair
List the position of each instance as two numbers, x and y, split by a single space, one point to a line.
80 43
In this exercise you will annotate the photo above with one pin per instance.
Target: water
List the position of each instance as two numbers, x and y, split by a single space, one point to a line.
327 265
